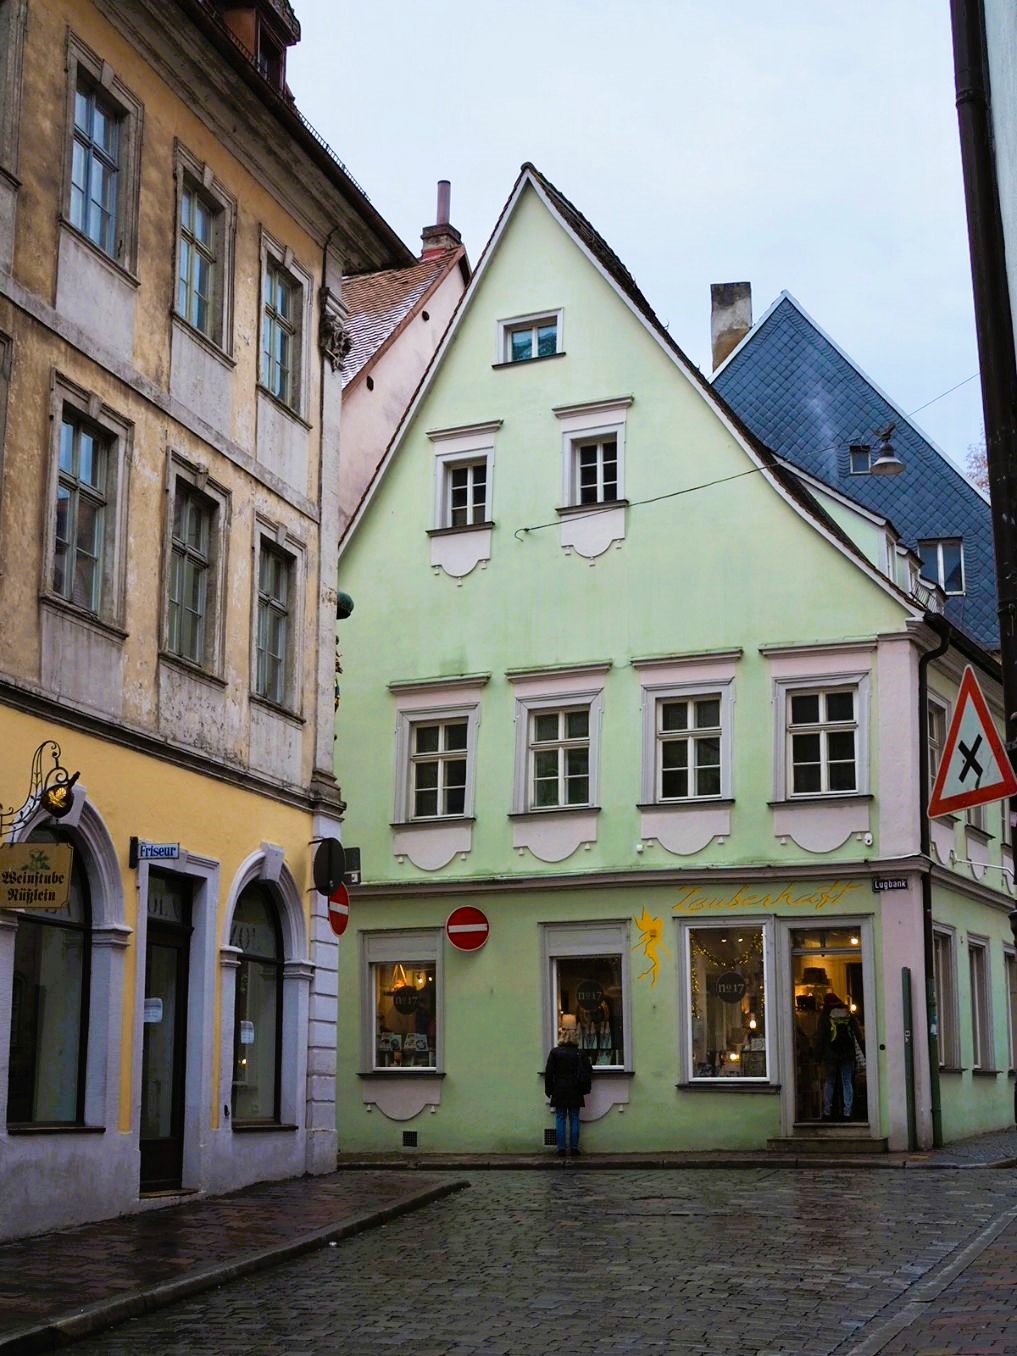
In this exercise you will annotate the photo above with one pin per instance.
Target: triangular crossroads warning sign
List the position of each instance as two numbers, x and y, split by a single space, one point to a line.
974 768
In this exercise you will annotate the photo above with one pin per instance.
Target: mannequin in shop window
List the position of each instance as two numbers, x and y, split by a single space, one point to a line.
838 1043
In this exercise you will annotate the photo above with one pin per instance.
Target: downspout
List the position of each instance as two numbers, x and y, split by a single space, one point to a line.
944 630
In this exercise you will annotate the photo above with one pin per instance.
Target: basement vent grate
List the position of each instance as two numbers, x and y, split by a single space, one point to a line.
409 1139
550 1139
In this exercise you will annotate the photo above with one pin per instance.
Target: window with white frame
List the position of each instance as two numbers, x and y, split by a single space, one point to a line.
1010 979
981 1024
595 470
205 232
464 471
588 989
104 140
559 757
859 459
689 763
275 619
402 1011
530 336
823 752
976 817
726 1001
936 713
593 452
465 493
943 563
435 756
195 569
944 972
88 487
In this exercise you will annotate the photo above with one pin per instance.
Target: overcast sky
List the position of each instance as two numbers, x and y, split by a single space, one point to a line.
804 145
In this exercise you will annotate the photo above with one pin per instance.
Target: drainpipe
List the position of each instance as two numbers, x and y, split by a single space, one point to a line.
944 630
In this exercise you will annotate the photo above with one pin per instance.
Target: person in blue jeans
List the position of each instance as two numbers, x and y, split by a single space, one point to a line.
567 1079
837 1042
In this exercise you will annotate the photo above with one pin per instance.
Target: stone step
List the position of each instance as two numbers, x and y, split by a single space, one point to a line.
833 1141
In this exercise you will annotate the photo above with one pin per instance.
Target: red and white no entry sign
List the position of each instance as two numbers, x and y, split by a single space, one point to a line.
467 928
339 909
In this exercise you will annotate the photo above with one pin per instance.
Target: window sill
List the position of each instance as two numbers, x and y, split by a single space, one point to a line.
485 526
985 1073
277 709
20 1129
727 1085
555 810
979 835
256 1127
211 347
177 661
946 819
952 1069
436 821
119 269
580 510
599 1071
90 619
692 803
528 362
295 415
826 798
399 1072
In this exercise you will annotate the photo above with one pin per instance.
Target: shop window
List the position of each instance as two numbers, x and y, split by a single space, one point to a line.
946 998
257 1024
982 1056
828 976
588 999
727 1002
1010 974
403 985
49 1011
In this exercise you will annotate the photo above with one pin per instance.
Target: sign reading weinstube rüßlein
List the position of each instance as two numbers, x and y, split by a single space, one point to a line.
35 875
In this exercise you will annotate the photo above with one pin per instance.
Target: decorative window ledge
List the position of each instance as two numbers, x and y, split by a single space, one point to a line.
952 1069
687 826
458 551
192 670
431 844
457 531
196 336
727 1085
401 1094
553 834
942 837
92 620
277 710
527 362
402 1073
258 1127
984 1073
582 510
56 1129
281 405
820 823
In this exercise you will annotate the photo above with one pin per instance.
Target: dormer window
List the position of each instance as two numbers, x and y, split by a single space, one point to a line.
860 459
943 563
271 62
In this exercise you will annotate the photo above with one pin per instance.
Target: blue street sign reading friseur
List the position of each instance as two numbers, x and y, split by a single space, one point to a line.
143 851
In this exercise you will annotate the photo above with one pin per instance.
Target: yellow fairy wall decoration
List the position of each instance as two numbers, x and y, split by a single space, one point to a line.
651 943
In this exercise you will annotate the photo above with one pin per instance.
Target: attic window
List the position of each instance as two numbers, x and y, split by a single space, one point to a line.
860 459
527 337
270 58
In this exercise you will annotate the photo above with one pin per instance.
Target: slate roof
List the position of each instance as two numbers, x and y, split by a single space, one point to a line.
379 303
806 399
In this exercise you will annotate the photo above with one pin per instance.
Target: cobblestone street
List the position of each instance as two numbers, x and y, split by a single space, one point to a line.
730 1263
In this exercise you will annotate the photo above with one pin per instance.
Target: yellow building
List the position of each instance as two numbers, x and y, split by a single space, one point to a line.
172 243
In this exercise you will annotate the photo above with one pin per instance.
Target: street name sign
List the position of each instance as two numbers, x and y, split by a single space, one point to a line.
974 769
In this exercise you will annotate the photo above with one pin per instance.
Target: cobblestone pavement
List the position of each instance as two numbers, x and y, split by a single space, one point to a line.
728 1263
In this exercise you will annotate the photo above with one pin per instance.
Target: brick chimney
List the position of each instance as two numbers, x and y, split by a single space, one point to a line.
441 237
730 317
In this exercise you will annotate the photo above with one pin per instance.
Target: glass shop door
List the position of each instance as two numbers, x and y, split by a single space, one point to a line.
828 1016
164 1045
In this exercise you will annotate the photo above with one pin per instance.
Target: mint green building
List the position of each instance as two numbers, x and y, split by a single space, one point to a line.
622 682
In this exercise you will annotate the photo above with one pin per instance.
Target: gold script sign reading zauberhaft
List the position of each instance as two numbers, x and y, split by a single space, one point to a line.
35 875
709 899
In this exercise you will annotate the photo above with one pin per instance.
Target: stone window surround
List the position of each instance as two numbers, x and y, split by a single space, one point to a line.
409 717
279 537
187 166
983 1044
457 447
284 258
13 15
119 432
653 695
503 352
947 996
783 688
80 57
534 694
595 420
194 474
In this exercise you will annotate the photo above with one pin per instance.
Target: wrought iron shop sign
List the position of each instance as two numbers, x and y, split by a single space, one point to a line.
35 875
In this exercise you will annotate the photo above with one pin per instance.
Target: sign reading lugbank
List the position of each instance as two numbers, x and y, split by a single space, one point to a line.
748 898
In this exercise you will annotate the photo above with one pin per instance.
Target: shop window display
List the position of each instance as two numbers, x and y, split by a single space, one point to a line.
257 1022
728 1002
406 1018
826 966
589 988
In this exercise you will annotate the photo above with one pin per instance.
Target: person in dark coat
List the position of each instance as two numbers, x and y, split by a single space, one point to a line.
837 1042
567 1079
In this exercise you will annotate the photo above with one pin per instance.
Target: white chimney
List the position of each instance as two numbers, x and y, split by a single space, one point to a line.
730 317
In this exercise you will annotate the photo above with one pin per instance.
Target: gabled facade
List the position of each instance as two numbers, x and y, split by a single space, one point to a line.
173 240
618 680
805 398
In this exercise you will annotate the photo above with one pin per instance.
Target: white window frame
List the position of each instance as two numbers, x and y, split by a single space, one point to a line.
406 721
85 67
397 946
939 543
274 536
654 696
784 690
944 949
976 817
597 422
117 433
513 324
983 1054
181 472
939 709
1010 998
859 448
282 259
686 1062
526 708
574 941
456 447
198 176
